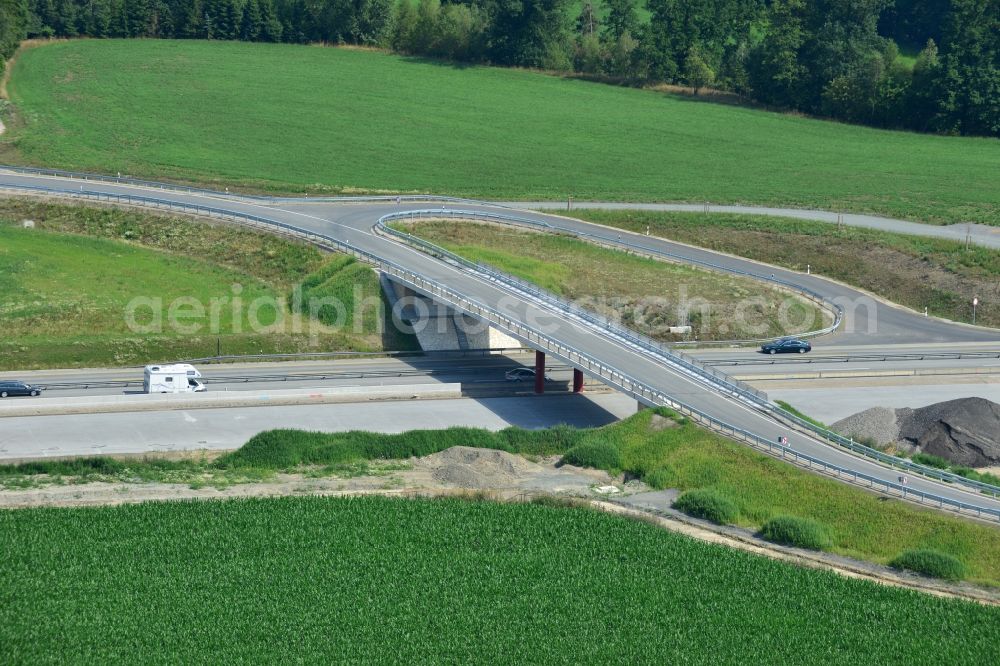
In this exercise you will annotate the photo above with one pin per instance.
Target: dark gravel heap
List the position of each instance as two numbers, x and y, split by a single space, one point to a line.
964 431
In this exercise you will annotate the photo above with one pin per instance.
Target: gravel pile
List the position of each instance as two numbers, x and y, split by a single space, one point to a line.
878 424
965 431
467 467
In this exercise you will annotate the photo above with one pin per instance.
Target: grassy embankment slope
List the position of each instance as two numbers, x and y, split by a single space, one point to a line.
390 580
666 452
646 293
914 271
327 120
68 283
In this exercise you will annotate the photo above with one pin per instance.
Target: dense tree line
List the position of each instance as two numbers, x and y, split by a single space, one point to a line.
355 21
837 58
13 22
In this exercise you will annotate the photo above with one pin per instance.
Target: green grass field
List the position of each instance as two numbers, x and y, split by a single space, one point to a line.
666 451
314 119
647 294
69 282
379 580
914 271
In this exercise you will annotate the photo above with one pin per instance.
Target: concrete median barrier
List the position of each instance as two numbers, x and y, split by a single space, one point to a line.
222 399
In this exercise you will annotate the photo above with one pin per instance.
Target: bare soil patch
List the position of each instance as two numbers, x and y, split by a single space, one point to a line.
658 423
458 468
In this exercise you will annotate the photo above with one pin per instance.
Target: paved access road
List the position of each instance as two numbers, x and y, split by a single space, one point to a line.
979 234
351 223
868 321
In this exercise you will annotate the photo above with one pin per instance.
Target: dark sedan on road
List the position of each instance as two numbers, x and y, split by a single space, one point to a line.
8 388
786 346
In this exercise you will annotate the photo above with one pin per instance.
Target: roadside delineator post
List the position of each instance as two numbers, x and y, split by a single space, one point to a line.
539 372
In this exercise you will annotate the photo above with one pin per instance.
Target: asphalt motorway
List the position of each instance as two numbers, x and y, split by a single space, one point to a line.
470 372
352 224
826 390
225 429
489 372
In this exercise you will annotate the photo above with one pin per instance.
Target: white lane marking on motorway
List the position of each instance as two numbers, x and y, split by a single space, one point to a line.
189 419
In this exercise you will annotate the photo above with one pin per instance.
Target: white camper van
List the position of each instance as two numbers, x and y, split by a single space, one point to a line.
177 378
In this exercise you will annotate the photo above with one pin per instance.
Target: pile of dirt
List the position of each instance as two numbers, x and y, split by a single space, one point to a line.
878 424
964 432
467 467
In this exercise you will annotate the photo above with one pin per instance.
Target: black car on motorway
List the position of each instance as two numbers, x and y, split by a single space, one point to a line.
786 346
9 388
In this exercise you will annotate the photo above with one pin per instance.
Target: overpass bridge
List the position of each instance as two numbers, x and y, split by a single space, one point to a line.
649 372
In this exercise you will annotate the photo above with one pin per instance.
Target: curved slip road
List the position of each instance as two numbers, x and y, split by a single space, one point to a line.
351 223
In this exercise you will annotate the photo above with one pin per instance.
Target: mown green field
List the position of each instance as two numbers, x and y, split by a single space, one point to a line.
379 580
664 450
648 295
70 284
918 272
336 120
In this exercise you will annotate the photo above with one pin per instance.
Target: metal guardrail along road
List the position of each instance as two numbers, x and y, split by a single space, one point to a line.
537 339
720 379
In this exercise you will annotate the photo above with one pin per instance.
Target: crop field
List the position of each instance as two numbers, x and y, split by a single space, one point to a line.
296 118
69 281
649 295
431 581
914 271
683 456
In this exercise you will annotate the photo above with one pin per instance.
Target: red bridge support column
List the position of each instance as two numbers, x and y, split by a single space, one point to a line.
577 380
539 372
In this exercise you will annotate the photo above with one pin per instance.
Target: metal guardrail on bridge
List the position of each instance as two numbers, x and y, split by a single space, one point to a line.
836 309
633 338
508 219
635 388
671 355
